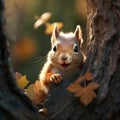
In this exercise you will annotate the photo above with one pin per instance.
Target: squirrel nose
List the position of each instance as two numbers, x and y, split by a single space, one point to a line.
64 57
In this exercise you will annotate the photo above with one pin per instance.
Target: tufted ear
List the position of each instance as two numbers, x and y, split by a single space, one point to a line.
55 34
78 34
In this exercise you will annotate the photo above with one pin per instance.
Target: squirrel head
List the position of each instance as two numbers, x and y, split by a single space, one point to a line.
77 33
65 52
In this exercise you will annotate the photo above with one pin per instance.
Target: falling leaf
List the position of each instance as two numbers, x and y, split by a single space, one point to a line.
38 23
22 81
42 20
85 93
50 27
46 16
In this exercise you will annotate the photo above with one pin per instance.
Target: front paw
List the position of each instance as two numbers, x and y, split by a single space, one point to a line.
56 78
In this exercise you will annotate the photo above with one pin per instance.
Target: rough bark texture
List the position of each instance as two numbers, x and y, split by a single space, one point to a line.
104 53
14 105
103 60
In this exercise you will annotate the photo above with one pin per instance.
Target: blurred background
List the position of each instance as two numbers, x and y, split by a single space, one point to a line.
28 28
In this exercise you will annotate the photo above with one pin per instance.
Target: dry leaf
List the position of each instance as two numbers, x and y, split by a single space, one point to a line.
42 20
80 79
88 76
50 27
46 16
74 88
38 23
22 81
87 93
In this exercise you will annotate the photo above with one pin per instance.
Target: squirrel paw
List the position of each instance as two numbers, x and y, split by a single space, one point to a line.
56 78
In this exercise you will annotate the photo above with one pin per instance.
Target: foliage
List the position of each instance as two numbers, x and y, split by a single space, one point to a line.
43 20
86 92
32 90
22 81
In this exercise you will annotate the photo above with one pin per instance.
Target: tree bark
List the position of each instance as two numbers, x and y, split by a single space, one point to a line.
104 52
103 61
14 105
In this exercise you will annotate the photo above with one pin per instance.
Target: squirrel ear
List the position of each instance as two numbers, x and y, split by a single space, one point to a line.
78 34
55 34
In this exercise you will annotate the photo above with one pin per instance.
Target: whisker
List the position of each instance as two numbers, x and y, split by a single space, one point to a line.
40 61
41 57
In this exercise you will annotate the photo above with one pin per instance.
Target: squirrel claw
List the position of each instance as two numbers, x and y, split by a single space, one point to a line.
56 78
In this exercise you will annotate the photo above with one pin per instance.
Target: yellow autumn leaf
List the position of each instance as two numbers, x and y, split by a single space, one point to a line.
22 82
50 27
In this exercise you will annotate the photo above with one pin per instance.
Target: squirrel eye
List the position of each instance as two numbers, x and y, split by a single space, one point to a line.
75 48
55 48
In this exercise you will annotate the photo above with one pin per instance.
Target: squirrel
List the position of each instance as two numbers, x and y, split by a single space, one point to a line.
64 61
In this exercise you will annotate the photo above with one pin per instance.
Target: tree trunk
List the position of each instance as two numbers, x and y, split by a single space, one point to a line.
104 52
103 61
14 105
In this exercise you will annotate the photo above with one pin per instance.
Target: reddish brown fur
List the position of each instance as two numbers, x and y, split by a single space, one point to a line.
53 71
